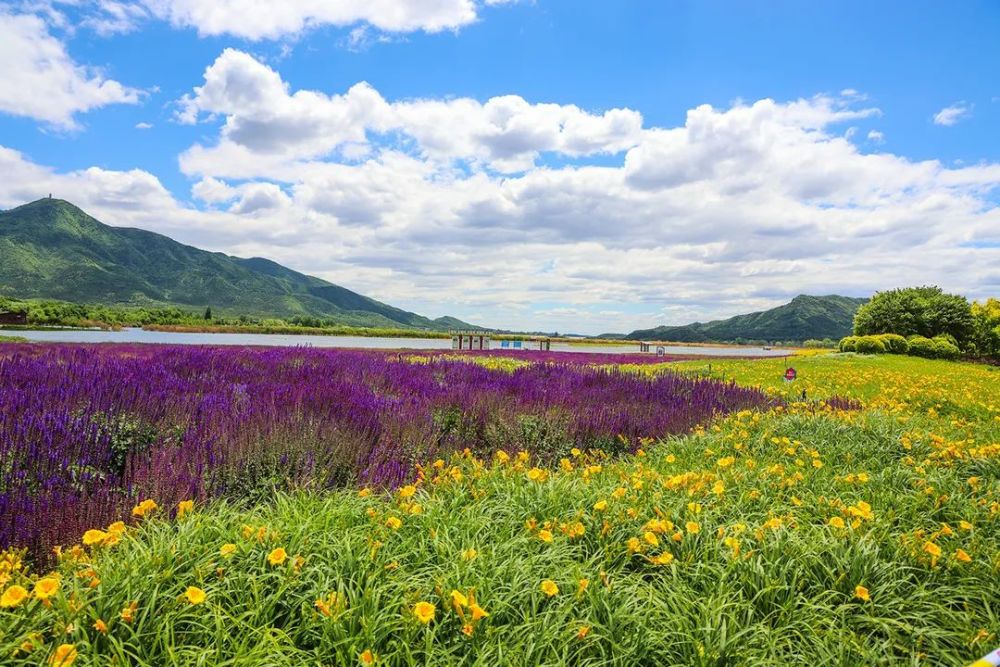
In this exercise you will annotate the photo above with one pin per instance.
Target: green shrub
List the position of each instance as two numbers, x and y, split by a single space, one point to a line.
849 344
921 311
894 343
920 346
986 324
939 347
945 348
948 338
870 345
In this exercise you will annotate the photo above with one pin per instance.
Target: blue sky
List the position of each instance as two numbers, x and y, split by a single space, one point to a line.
860 90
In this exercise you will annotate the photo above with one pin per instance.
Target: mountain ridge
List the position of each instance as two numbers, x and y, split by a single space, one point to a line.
804 317
52 249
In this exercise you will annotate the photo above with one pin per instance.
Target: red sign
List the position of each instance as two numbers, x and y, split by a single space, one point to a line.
790 374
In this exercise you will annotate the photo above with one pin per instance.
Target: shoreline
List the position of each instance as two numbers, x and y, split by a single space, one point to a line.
368 332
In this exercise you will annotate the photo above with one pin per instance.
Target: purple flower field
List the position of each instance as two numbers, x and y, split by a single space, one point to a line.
85 431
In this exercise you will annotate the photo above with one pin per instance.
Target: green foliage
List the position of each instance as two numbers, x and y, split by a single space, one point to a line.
921 346
894 343
885 343
945 348
920 311
61 313
52 250
129 436
8 305
803 318
938 325
870 345
849 344
986 327
939 347
76 314
826 343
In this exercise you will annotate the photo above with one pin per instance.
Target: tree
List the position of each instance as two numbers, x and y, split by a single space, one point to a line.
986 327
208 313
916 311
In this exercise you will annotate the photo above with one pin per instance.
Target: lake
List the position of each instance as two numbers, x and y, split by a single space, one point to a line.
286 340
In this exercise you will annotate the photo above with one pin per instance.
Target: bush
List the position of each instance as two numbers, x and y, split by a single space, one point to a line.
894 343
986 325
921 346
849 344
948 338
939 347
870 345
945 348
921 311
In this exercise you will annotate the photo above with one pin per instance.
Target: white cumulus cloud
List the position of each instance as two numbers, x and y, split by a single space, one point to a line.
265 121
270 19
365 21
473 202
40 80
952 114
539 214
111 17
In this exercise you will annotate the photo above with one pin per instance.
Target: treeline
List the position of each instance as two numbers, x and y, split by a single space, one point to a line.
826 343
283 328
764 342
926 322
171 318
63 313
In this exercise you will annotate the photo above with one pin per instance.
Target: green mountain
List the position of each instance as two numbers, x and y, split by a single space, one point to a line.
50 249
803 318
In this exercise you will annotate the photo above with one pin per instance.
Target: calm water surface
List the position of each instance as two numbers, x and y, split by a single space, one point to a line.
286 340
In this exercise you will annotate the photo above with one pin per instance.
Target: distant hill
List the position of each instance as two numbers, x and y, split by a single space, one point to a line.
50 249
803 318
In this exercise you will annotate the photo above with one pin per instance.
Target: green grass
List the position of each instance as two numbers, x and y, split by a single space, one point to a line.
766 579
958 397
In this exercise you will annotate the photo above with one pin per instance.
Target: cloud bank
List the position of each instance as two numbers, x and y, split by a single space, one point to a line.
526 214
38 78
